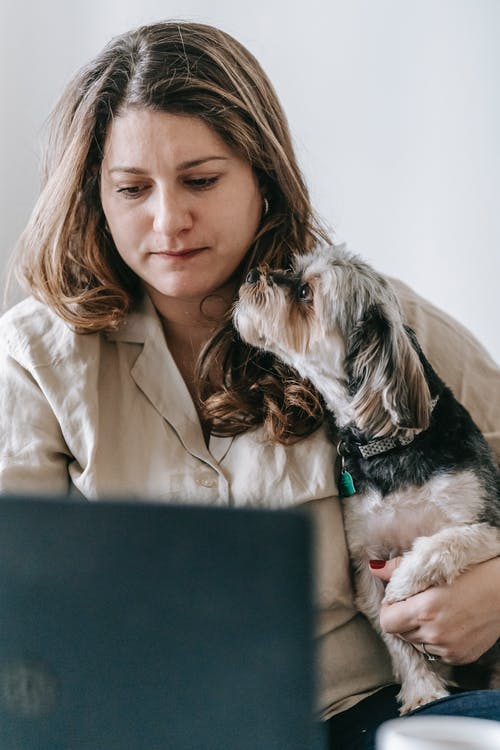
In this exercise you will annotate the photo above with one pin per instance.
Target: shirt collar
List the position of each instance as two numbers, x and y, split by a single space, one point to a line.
139 324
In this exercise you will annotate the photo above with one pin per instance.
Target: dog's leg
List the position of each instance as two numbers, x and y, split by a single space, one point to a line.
440 558
419 683
432 561
369 594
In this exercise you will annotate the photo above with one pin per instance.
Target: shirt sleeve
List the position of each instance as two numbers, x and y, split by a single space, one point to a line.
33 454
459 359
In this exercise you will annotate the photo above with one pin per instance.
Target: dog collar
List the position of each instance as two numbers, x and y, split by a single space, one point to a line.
373 448
382 445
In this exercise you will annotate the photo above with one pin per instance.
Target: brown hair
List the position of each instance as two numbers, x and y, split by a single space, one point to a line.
66 255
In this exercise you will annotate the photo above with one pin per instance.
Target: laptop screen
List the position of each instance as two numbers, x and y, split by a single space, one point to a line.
152 627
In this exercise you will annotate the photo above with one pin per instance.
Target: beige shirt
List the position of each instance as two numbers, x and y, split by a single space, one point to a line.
109 416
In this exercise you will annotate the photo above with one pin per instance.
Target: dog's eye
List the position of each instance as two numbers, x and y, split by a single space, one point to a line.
305 292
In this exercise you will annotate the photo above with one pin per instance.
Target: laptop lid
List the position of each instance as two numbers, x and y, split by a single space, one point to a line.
153 627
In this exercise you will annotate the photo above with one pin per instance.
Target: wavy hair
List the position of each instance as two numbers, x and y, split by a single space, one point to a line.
66 256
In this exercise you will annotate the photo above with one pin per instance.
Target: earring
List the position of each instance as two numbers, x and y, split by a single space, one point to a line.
265 203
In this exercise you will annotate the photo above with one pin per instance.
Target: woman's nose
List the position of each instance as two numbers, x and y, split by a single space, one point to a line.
172 215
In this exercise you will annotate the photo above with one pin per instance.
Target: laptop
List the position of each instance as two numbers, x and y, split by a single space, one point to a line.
129 626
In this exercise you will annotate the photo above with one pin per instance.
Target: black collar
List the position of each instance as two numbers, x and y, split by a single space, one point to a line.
380 445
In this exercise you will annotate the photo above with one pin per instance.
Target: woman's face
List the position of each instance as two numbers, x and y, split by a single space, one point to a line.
181 205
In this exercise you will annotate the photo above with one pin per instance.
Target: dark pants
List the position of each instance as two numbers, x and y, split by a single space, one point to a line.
355 729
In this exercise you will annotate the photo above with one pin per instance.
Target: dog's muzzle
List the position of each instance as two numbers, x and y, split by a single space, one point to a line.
263 274
253 276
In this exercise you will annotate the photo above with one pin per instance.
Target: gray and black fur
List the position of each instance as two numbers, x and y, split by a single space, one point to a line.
432 495
451 442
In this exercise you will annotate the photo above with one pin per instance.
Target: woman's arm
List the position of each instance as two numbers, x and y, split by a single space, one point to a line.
457 622
33 454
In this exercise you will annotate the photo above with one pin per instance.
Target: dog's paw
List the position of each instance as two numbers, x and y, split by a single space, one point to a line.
420 684
411 698
405 581
426 564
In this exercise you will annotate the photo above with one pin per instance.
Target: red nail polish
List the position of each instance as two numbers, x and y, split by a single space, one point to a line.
377 564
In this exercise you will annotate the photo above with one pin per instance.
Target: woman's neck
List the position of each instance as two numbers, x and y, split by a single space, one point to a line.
193 318
188 324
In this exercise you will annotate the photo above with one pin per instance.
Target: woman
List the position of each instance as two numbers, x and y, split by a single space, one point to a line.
169 173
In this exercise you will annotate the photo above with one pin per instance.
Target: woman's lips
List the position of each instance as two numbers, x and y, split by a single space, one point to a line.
185 253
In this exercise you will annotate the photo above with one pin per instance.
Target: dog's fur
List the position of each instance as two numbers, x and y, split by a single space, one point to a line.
435 500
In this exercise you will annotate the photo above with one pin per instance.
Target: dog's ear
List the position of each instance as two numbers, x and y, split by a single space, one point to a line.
386 376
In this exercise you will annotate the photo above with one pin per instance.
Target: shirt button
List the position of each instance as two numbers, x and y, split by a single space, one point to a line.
206 480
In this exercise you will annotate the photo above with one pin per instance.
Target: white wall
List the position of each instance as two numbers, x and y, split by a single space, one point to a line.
394 106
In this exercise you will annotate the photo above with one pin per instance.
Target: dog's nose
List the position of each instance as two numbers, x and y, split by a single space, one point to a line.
253 276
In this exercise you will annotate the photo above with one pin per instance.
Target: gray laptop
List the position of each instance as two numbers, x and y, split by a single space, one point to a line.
146 627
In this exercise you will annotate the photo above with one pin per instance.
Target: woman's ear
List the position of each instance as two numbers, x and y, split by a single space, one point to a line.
386 375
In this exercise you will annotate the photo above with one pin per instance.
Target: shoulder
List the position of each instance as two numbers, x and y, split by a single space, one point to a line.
439 334
34 335
458 358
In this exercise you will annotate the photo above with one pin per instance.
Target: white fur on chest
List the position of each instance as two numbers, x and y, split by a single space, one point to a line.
380 527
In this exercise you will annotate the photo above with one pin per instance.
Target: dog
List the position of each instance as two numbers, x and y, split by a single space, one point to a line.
416 475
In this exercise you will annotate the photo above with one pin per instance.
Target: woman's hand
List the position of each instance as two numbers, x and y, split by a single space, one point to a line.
457 622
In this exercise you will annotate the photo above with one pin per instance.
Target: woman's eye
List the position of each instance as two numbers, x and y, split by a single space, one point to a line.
202 183
131 191
304 292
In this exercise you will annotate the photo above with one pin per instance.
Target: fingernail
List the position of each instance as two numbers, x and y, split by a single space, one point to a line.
377 564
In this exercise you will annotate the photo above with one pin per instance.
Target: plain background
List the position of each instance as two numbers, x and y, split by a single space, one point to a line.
394 107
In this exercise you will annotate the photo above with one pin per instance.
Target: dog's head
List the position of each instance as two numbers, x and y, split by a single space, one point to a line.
338 323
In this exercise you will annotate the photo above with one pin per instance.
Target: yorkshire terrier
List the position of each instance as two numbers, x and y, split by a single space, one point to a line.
416 475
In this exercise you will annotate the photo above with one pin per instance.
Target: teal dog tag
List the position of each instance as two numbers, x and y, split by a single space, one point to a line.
346 484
